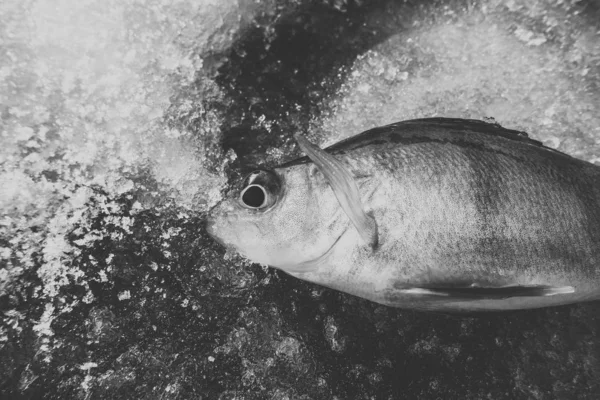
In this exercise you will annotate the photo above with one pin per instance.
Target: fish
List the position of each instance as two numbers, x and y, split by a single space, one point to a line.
433 214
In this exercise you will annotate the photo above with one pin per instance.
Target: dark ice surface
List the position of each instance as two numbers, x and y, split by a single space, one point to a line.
122 123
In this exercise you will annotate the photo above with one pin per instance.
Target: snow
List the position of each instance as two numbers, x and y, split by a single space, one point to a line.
475 67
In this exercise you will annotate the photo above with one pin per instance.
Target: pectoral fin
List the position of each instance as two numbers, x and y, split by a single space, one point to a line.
474 292
344 187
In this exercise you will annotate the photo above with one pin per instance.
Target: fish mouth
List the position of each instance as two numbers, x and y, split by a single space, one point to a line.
214 214
315 263
210 228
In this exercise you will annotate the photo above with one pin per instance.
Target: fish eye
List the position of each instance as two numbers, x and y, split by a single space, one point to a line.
260 190
254 196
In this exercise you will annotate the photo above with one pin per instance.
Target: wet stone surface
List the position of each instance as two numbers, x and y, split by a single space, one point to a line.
123 122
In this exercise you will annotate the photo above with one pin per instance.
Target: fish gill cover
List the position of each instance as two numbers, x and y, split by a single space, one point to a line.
120 123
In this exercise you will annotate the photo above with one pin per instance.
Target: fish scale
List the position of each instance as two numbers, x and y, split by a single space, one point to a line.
466 215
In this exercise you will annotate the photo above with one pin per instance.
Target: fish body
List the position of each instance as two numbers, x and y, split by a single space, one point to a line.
446 215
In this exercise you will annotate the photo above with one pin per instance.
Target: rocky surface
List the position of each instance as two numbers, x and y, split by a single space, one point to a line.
121 123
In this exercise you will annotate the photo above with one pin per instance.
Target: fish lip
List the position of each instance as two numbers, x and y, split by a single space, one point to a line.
211 232
210 228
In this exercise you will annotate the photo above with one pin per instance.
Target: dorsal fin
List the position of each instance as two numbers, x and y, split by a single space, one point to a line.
419 130
424 126
490 128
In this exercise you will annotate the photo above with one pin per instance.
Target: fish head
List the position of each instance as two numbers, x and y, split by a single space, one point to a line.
287 218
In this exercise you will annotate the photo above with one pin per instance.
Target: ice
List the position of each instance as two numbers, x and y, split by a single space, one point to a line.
94 79
475 67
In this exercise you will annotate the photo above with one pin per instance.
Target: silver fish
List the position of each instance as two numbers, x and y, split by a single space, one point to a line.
434 214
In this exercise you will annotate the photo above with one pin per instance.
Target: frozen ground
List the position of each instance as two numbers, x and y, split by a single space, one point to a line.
120 124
